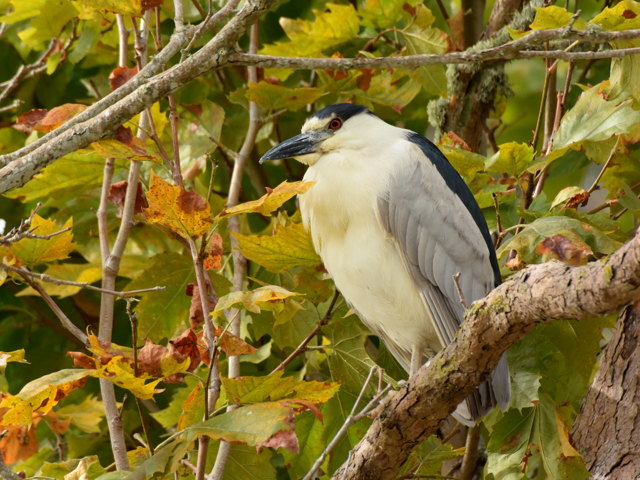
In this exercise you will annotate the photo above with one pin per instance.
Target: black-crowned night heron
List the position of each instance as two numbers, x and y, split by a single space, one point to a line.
393 222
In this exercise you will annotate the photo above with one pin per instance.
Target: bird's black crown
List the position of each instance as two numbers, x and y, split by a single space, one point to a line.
343 111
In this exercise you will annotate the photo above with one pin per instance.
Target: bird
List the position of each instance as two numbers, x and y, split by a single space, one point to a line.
393 222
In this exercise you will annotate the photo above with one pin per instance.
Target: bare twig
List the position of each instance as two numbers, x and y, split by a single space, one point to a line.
349 421
56 281
456 281
66 323
498 221
133 318
111 266
303 345
470 458
208 22
594 186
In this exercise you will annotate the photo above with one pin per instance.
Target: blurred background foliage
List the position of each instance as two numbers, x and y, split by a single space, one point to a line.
71 48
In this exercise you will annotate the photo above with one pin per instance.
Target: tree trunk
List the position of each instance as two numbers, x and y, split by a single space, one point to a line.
607 430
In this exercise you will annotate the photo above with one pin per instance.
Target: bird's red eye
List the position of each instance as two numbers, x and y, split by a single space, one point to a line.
335 124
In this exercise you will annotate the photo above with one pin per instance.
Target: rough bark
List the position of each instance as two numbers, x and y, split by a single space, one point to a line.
540 293
607 430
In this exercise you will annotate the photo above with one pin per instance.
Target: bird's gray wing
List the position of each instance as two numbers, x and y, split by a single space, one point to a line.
437 235
440 231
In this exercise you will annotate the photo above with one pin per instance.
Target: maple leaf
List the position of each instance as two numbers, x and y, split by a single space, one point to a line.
186 213
117 195
269 202
31 251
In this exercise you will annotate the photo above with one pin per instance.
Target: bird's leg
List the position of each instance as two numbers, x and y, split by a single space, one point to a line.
416 360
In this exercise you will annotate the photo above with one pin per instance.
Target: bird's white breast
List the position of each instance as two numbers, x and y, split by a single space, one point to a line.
340 211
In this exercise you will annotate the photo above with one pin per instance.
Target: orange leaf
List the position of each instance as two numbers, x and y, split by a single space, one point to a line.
120 76
186 213
213 260
563 249
44 121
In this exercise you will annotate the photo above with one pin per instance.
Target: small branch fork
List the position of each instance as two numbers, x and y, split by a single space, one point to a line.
352 419
303 345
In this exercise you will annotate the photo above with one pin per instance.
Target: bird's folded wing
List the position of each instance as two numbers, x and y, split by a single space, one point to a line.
437 236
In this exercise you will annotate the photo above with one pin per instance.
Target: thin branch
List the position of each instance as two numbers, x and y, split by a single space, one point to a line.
209 22
66 323
56 281
352 419
504 52
178 19
594 186
498 221
456 281
133 318
303 345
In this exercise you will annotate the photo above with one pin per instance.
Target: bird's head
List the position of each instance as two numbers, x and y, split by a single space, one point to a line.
339 127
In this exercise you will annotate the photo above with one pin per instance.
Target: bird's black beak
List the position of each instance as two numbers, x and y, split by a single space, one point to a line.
302 144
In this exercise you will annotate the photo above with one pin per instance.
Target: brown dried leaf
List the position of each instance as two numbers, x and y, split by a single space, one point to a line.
150 4
283 438
364 80
514 264
456 24
577 200
19 442
232 345
120 76
117 195
187 346
46 121
213 260
562 248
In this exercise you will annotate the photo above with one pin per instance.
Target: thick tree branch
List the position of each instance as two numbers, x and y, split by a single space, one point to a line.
508 51
537 294
610 409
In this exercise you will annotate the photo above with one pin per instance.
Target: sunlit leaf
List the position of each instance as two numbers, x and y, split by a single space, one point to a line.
269 202
291 246
8 357
274 387
31 251
41 395
275 97
184 212
554 17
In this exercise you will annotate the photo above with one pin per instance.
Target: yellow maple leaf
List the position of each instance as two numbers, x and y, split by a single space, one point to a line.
269 202
41 395
120 372
186 213
31 251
